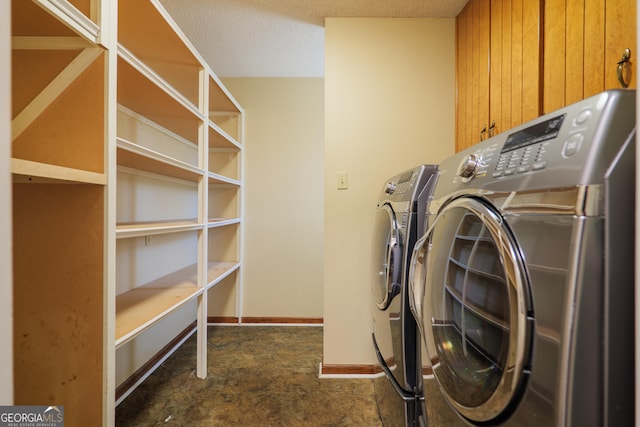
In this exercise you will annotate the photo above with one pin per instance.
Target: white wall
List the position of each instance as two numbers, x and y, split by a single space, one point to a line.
389 105
6 299
283 195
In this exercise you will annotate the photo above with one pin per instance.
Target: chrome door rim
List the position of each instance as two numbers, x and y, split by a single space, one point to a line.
392 265
517 287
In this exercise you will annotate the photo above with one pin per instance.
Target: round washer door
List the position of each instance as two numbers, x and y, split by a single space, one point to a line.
470 295
387 257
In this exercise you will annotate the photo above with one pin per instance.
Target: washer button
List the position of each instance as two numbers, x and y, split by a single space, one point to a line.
582 117
572 145
539 165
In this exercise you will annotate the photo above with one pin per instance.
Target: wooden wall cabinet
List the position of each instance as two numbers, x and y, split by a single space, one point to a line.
127 186
498 63
519 59
473 33
583 43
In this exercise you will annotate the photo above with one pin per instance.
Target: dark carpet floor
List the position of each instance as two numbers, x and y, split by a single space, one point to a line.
257 376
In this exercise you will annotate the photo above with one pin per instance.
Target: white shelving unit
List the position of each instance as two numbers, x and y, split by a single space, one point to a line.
63 76
127 181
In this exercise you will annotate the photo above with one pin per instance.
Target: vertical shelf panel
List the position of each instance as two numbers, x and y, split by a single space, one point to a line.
223 243
59 136
222 300
225 162
58 297
223 202
6 291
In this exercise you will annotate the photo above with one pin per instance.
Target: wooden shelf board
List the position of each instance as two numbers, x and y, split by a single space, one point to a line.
214 178
183 278
26 171
73 18
140 308
220 100
221 222
219 138
53 18
138 157
162 83
218 270
155 101
185 78
147 228
159 38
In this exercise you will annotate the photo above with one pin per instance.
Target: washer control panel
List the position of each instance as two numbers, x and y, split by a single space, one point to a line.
527 150
571 145
401 186
575 145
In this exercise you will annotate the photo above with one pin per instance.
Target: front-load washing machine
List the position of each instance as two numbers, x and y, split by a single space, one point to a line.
523 285
399 222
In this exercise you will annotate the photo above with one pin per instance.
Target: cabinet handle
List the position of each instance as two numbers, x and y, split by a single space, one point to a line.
492 128
626 55
483 132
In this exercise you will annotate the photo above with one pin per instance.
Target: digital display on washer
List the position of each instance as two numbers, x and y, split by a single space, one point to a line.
539 132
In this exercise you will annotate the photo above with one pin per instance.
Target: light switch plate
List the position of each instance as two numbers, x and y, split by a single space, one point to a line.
341 181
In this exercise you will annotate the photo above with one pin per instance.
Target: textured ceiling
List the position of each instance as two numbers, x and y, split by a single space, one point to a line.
281 38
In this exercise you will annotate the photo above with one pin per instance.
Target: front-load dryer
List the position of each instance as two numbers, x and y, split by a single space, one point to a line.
523 285
399 222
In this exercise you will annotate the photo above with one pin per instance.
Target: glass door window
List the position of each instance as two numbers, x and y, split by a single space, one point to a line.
474 308
387 257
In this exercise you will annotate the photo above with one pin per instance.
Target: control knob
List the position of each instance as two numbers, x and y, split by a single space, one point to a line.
390 187
468 167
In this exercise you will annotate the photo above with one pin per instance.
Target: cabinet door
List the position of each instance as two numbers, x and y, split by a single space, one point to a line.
515 63
620 33
499 67
463 79
472 40
583 43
